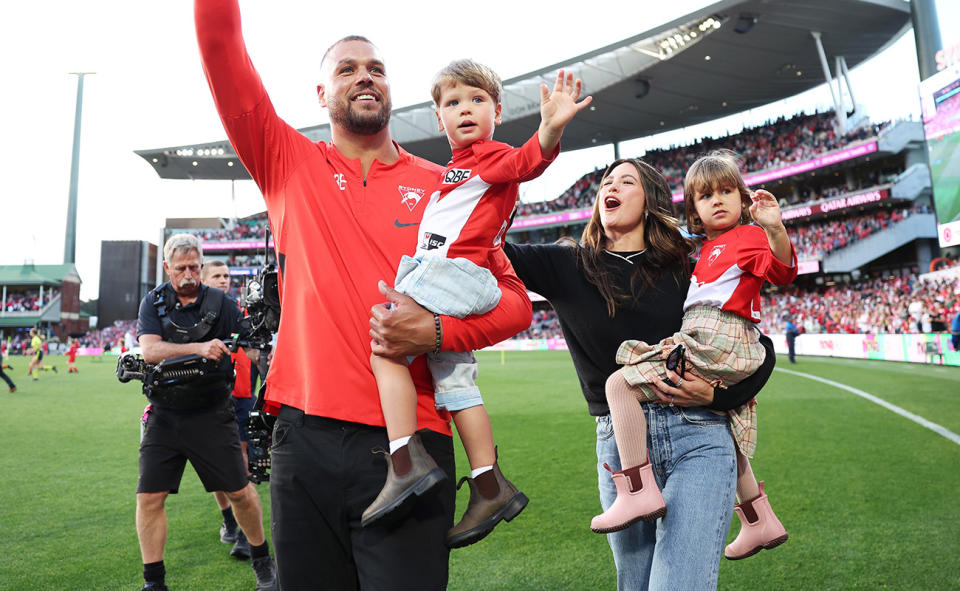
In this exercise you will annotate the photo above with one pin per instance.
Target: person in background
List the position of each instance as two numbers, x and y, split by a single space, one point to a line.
216 273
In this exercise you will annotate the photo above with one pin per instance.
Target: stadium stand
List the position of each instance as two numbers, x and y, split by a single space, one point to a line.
44 296
836 192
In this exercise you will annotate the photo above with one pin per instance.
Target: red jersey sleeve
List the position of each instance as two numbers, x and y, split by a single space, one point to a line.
513 314
266 145
754 256
503 164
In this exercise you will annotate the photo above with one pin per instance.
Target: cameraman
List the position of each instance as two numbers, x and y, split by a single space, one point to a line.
191 421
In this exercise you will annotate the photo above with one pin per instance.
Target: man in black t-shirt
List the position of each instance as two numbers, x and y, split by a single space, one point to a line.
191 421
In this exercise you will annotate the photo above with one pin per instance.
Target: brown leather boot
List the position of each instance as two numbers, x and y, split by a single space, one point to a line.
493 498
411 473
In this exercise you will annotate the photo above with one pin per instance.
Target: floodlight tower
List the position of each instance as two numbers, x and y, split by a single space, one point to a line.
70 241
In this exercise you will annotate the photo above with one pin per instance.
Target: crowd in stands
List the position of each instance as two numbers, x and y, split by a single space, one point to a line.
775 145
245 260
895 305
545 325
249 228
120 332
29 301
821 238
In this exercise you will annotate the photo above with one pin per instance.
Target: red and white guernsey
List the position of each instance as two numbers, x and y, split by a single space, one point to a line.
732 269
467 215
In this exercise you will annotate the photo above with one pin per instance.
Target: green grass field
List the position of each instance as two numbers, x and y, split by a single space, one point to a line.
870 498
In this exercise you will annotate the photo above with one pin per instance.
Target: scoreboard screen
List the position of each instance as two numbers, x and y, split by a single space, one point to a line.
940 107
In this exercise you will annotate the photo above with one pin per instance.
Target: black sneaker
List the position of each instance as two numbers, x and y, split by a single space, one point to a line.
54 368
266 573
241 548
153 586
228 533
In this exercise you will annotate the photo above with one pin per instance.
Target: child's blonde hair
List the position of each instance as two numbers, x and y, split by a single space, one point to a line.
470 73
716 170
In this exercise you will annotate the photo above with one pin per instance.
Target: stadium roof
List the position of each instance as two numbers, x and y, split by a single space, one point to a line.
38 274
726 58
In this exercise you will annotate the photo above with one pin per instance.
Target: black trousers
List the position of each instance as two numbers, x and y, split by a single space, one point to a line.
323 476
6 378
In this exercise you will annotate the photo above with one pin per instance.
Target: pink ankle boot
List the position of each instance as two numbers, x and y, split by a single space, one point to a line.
638 499
759 528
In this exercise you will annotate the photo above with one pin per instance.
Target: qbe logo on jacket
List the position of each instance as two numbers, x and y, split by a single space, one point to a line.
456 175
432 241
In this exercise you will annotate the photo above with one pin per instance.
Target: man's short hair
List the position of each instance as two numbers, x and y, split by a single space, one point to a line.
343 40
209 266
470 73
181 244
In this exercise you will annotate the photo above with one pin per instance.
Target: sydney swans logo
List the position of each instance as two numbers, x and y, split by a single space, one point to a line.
410 196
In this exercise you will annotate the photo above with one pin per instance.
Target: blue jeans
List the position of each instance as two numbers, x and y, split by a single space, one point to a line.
695 466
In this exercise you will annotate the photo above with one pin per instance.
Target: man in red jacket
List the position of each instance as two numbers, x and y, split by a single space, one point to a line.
342 213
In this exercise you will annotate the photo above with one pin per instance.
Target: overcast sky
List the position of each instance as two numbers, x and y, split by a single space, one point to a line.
149 92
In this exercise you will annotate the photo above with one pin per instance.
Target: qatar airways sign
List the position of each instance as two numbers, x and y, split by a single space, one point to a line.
835 204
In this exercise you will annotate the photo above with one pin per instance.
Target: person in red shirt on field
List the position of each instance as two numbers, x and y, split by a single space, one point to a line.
718 339
72 356
342 213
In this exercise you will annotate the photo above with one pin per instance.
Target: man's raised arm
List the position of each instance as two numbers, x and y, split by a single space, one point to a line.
234 82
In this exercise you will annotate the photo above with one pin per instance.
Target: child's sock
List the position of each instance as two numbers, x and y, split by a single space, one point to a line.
478 471
398 443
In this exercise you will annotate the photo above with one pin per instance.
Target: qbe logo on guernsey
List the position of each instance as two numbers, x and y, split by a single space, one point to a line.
456 175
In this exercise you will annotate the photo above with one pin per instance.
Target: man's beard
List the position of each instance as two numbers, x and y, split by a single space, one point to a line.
359 122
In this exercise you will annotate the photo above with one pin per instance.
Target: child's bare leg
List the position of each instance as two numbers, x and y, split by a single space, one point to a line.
473 426
398 397
629 424
747 487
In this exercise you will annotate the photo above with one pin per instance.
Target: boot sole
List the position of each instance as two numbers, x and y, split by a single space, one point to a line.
648 517
768 546
403 504
513 508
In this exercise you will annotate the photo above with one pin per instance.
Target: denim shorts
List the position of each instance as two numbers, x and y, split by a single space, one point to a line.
452 287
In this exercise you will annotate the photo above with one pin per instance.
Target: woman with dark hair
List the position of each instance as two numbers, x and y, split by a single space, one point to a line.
627 279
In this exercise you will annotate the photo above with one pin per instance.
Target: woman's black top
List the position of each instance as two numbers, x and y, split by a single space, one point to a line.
593 338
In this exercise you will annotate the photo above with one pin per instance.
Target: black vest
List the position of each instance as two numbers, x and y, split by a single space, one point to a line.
191 381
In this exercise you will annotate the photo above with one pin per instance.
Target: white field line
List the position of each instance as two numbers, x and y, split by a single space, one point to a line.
892 407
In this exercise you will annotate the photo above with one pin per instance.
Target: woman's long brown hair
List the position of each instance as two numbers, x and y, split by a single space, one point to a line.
666 247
